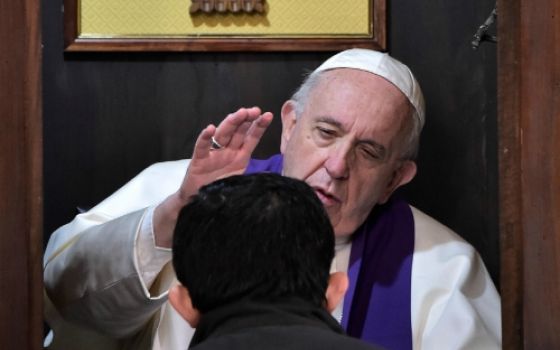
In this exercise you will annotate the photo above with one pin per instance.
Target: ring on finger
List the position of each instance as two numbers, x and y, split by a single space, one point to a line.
215 144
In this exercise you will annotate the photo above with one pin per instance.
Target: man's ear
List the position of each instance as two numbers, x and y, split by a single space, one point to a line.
180 299
401 176
288 123
338 284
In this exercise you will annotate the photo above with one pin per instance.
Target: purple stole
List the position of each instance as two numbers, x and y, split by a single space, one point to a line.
377 303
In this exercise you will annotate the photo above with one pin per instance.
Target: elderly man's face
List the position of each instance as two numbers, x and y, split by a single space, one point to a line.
347 144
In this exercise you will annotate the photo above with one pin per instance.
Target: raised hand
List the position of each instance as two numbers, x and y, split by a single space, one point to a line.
238 135
236 138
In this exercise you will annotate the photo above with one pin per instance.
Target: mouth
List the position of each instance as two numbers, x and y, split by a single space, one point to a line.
326 198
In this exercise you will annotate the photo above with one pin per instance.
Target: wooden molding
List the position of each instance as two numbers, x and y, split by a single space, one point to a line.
529 166
21 290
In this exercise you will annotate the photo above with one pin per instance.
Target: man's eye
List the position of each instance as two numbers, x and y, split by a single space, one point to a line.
370 154
326 133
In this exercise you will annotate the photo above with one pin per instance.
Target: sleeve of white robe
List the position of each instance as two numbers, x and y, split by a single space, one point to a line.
92 270
455 304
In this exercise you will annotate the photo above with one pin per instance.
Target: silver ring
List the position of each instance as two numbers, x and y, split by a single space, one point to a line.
215 144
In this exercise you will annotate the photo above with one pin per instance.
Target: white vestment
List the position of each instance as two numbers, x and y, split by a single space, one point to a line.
102 291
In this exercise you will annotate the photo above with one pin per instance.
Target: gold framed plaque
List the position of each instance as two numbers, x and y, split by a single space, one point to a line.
223 25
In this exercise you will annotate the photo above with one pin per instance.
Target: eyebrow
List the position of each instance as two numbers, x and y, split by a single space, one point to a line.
330 120
376 145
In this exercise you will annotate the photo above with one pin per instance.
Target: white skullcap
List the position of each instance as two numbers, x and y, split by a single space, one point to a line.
385 66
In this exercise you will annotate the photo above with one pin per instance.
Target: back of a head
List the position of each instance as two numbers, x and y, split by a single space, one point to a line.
258 237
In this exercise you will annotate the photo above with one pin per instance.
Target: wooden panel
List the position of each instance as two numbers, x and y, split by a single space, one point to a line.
457 165
20 176
511 242
540 164
529 92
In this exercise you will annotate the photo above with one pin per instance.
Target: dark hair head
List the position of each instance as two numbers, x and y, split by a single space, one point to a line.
259 236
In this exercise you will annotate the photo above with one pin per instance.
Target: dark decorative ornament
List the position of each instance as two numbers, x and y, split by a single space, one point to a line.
224 6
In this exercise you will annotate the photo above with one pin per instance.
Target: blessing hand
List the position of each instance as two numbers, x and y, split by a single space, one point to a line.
225 150
219 152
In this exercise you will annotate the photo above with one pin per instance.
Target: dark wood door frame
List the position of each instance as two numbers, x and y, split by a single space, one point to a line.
20 175
529 167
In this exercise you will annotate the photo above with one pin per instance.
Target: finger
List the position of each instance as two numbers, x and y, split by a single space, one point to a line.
204 142
227 128
239 136
255 133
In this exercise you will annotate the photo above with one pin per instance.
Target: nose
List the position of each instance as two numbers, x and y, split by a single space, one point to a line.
337 164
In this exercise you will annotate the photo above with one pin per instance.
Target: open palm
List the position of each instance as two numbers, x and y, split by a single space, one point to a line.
238 134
